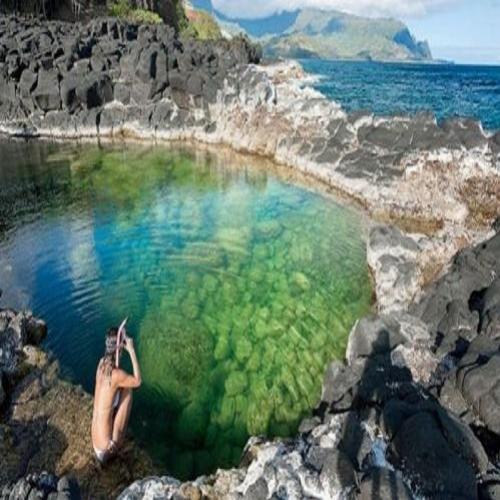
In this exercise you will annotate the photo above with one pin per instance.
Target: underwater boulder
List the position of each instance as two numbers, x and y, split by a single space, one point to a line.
299 282
243 349
268 229
222 348
236 383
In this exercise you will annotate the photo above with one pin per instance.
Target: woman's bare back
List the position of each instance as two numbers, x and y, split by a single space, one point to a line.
113 399
104 397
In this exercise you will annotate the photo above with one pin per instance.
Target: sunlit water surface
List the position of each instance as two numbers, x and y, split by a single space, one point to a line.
448 91
240 286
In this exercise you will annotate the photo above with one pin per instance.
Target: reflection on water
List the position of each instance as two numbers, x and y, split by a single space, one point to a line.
240 286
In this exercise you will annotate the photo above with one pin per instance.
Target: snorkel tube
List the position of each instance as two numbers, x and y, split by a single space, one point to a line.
120 338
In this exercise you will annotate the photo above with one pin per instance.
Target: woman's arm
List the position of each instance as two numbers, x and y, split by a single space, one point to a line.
122 378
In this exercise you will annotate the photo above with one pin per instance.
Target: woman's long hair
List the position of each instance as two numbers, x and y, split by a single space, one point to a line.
108 361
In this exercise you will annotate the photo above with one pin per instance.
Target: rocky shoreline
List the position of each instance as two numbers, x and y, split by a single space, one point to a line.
414 412
110 79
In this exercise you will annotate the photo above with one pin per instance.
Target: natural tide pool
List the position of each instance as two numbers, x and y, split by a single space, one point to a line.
241 284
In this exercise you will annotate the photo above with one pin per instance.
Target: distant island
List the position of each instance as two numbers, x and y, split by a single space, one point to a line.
325 34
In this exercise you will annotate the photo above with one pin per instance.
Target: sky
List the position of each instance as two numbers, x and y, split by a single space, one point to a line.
465 31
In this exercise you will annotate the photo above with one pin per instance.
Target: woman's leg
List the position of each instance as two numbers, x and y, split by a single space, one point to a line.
122 415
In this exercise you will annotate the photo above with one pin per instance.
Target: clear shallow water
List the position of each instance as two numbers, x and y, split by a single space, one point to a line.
392 88
240 287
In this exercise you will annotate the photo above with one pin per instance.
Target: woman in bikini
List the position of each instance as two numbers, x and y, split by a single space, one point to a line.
113 397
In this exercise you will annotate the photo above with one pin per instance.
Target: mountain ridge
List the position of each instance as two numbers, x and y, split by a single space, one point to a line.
325 34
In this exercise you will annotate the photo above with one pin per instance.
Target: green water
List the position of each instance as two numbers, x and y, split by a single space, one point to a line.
240 285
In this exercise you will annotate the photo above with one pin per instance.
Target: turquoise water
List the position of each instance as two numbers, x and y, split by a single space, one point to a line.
240 286
392 88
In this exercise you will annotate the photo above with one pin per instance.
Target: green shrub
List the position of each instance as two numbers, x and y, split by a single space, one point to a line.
142 16
200 25
124 10
119 8
181 19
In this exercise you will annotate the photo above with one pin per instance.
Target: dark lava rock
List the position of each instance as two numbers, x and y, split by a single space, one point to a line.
388 135
373 335
459 321
47 92
334 467
69 85
465 132
257 490
2 390
496 224
383 484
355 442
490 311
382 381
27 83
94 90
489 486
43 486
472 271
67 488
458 435
338 385
383 236
36 330
75 67
16 330
451 399
478 379
424 455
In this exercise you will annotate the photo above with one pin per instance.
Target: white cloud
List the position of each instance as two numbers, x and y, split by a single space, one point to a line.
391 8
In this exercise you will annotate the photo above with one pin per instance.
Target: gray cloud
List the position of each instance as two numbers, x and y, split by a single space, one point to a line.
393 8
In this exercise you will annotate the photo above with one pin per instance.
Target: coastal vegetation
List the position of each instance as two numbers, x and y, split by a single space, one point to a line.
200 24
123 9
134 11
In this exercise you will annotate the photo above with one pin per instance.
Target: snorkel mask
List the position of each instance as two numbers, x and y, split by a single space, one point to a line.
120 341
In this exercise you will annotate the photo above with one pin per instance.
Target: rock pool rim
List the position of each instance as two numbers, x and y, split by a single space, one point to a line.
203 146
312 178
261 179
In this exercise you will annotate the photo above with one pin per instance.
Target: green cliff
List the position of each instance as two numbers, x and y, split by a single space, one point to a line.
327 34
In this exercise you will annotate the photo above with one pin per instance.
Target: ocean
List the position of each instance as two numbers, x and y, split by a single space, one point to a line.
395 88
